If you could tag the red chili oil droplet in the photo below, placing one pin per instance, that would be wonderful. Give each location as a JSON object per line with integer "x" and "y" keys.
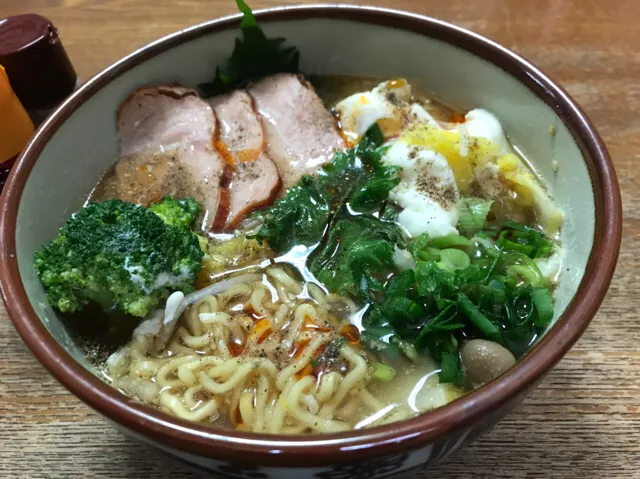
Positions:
{"x": 304, "y": 372}
{"x": 457, "y": 118}
{"x": 319, "y": 351}
{"x": 350, "y": 332}
{"x": 264, "y": 336}
{"x": 236, "y": 348}
{"x": 309, "y": 324}
{"x": 298, "y": 348}
{"x": 253, "y": 313}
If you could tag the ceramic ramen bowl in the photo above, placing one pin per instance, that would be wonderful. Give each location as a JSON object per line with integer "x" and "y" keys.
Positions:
{"x": 68, "y": 154}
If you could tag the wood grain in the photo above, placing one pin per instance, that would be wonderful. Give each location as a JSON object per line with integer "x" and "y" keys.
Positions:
{"x": 583, "y": 421}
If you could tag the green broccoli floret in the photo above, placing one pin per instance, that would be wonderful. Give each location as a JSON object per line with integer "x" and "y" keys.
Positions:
{"x": 177, "y": 212}
{"x": 120, "y": 255}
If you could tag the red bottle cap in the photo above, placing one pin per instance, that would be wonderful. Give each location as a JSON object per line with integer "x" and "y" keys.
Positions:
{"x": 36, "y": 63}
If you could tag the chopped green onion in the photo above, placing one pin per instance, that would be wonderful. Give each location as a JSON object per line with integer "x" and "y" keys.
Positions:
{"x": 473, "y": 214}
{"x": 544, "y": 304}
{"x": 409, "y": 351}
{"x": 488, "y": 233}
{"x": 523, "y": 308}
{"x": 418, "y": 245}
{"x": 452, "y": 259}
{"x": 530, "y": 275}
{"x": 383, "y": 373}
{"x": 443, "y": 303}
{"x": 450, "y": 367}
{"x": 501, "y": 278}
{"x": 493, "y": 267}
{"x": 488, "y": 287}
{"x": 489, "y": 298}
{"x": 533, "y": 276}
{"x": 451, "y": 241}
{"x": 545, "y": 248}
{"x": 483, "y": 240}
{"x": 493, "y": 252}
{"x": 429, "y": 254}
{"x": 442, "y": 322}
{"x": 486, "y": 327}
{"x": 526, "y": 240}
{"x": 508, "y": 245}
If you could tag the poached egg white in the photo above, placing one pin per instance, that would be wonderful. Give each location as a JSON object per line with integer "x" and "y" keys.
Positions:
{"x": 428, "y": 193}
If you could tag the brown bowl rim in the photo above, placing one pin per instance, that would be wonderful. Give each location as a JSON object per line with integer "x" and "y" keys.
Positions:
{"x": 320, "y": 450}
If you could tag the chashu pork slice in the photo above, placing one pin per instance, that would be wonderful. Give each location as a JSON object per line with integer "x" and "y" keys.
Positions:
{"x": 254, "y": 179}
{"x": 301, "y": 134}
{"x": 166, "y": 146}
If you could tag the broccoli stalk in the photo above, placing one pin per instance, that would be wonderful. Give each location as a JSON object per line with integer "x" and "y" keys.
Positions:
{"x": 121, "y": 255}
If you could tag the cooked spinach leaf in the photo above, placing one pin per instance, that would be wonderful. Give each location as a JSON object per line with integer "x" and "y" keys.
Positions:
{"x": 300, "y": 218}
{"x": 356, "y": 256}
{"x": 339, "y": 213}
{"x": 358, "y": 176}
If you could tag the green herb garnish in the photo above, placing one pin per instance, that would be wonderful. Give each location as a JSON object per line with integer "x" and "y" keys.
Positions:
{"x": 356, "y": 256}
{"x": 338, "y": 213}
{"x": 464, "y": 288}
{"x": 300, "y": 218}
{"x": 254, "y": 56}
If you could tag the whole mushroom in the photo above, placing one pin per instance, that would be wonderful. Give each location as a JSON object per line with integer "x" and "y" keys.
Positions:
{"x": 485, "y": 360}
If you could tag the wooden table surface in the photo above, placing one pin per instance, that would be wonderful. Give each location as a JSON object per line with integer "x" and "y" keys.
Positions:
{"x": 583, "y": 421}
